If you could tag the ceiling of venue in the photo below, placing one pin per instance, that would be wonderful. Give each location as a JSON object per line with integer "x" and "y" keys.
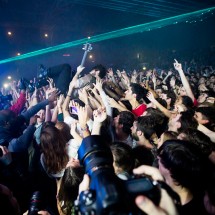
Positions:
{"x": 31, "y": 25}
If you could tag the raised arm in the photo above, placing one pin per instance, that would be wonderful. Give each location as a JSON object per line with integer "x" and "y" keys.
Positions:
{"x": 184, "y": 80}
{"x": 65, "y": 106}
{"x": 151, "y": 98}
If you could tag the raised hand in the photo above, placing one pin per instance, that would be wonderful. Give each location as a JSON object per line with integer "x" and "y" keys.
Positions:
{"x": 82, "y": 95}
{"x": 166, "y": 205}
{"x": 110, "y": 72}
{"x": 60, "y": 100}
{"x": 99, "y": 115}
{"x": 98, "y": 84}
{"x": 51, "y": 83}
{"x": 80, "y": 69}
{"x": 172, "y": 82}
{"x": 150, "y": 96}
{"x": 118, "y": 73}
{"x": 177, "y": 65}
{"x": 148, "y": 73}
{"x": 82, "y": 116}
{"x": 169, "y": 73}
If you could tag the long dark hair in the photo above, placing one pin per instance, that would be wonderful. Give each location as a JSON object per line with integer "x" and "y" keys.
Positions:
{"x": 53, "y": 146}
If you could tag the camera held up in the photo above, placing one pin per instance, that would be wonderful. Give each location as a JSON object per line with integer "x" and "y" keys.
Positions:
{"x": 108, "y": 194}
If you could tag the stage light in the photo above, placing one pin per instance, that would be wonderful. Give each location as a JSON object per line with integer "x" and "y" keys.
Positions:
{"x": 144, "y": 68}
{"x": 46, "y": 35}
{"x": 18, "y": 54}
{"x": 9, "y": 77}
{"x": 9, "y": 33}
{"x": 88, "y": 38}
{"x": 5, "y": 85}
{"x": 90, "y": 56}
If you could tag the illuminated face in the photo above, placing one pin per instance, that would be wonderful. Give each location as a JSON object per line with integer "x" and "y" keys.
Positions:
{"x": 128, "y": 94}
{"x": 158, "y": 82}
{"x": 202, "y": 80}
{"x": 202, "y": 97}
{"x": 41, "y": 115}
{"x": 174, "y": 123}
{"x": 212, "y": 79}
{"x": 159, "y": 92}
{"x": 182, "y": 91}
{"x": 134, "y": 131}
{"x": 199, "y": 118}
{"x": 95, "y": 73}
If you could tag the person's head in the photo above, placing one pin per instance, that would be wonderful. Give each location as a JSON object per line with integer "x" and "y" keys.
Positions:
{"x": 69, "y": 186}
{"x": 171, "y": 97}
{"x": 212, "y": 79}
{"x": 9, "y": 204}
{"x": 182, "y": 91}
{"x": 161, "y": 101}
{"x": 143, "y": 128}
{"x": 6, "y": 116}
{"x": 142, "y": 156}
{"x": 202, "y": 80}
{"x": 159, "y": 91}
{"x": 64, "y": 129}
{"x": 158, "y": 81}
{"x": 185, "y": 100}
{"x": 41, "y": 116}
{"x": 204, "y": 95}
{"x": 167, "y": 135}
{"x": 124, "y": 121}
{"x": 205, "y": 116}
{"x": 99, "y": 71}
{"x": 123, "y": 157}
{"x": 160, "y": 121}
{"x": 182, "y": 121}
{"x": 199, "y": 139}
{"x": 182, "y": 165}
{"x": 54, "y": 148}
{"x": 135, "y": 91}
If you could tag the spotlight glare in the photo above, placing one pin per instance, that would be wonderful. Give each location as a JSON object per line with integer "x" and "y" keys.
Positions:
{"x": 144, "y": 68}
{"x": 46, "y": 35}
{"x": 88, "y": 38}
{"x": 90, "y": 56}
{"x": 9, "y": 77}
{"x": 6, "y": 85}
{"x": 9, "y": 33}
{"x": 18, "y": 54}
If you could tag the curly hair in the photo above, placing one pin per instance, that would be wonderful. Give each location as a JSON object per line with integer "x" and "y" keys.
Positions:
{"x": 53, "y": 146}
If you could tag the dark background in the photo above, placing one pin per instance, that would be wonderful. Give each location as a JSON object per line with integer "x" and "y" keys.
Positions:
{"x": 66, "y": 21}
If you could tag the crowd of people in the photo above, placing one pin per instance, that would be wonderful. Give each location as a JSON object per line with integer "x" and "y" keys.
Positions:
{"x": 156, "y": 123}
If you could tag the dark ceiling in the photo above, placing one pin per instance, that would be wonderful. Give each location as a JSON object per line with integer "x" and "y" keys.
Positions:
{"x": 68, "y": 20}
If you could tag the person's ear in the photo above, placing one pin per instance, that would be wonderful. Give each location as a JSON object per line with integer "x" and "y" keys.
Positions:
{"x": 139, "y": 133}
